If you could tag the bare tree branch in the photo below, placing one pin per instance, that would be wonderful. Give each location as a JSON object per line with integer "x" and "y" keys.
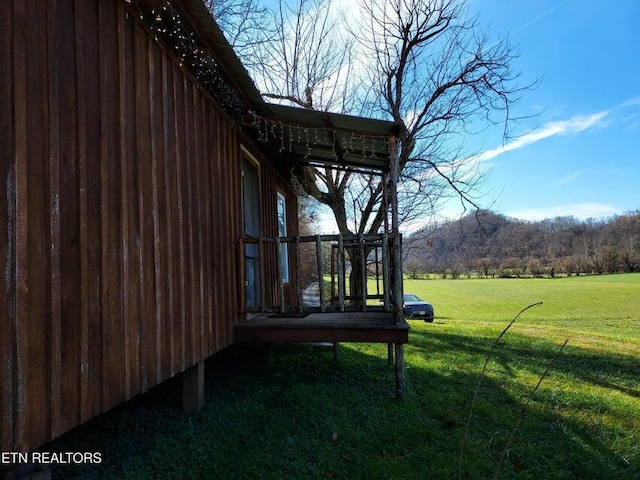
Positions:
{"x": 427, "y": 65}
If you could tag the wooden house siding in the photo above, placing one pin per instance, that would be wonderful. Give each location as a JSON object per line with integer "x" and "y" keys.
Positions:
{"x": 120, "y": 212}
{"x": 273, "y": 183}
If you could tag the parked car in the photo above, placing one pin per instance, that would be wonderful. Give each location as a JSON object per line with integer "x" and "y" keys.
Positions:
{"x": 416, "y": 308}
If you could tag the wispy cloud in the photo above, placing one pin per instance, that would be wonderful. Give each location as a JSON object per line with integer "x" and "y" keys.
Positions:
{"x": 568, "y": 178}
{"x": 575, "y": 124}
{"x": 542, "y": 15}
{"x": 530, "y": 22}
{"x": 631, "y": 121}
{"x": 580, "y": 211}
{"x": 631, "y": 102}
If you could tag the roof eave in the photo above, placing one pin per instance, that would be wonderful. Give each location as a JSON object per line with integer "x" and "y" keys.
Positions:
{"x": 223, "y": 53}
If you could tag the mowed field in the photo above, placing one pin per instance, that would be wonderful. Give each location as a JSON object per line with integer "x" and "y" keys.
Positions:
{"x": 522, "y": 407}
{"x": 590, "y": 389}
{"x": 604, "y": 306}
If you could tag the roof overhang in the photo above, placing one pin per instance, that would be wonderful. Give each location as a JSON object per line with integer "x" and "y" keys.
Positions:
{"x": 312, "y": 137}
{"x": 220, "y": 49}
{"x": 305, "y": 137}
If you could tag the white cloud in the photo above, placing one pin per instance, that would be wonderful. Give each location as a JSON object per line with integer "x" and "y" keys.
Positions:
{"x": 580, "y": 211}
{"x": 575, "y": 124}
{"x": 568, "y": 178}
{"x": 631, "y": 102}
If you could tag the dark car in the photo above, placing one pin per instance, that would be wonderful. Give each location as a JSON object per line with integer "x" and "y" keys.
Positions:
{"x": 416, "y": 308}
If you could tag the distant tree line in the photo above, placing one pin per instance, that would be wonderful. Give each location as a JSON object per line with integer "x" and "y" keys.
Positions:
{"x": 487, "y": 244}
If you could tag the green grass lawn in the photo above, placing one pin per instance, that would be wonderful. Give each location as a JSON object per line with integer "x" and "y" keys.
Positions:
{"x": 606, "y": 306}
{"x": 293, "y": 413}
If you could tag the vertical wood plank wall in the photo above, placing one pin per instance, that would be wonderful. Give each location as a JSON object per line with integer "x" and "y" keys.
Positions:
{"x": 271, "y": 183}
{"x": 119, "y": 211}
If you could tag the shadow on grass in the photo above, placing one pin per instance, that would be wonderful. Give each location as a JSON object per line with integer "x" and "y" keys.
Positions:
{"x": 613, "y": 371}
{"x": 295, "y": 413}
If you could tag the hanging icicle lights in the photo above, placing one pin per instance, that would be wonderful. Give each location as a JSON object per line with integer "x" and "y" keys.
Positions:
{"x": 167, "y": 25}
{"x": 287, "y": 137}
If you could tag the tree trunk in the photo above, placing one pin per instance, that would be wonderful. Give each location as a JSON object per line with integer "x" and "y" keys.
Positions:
{"x": 355, "y": 279}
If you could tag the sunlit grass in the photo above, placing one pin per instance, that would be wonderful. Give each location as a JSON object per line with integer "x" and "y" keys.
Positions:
{"x": 606, "y": 305}
{"x": 296, "y": 414}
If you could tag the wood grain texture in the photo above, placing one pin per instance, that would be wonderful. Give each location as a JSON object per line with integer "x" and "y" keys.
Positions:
{"x": 120, "y": 215}
{"x": 7, "y": 226}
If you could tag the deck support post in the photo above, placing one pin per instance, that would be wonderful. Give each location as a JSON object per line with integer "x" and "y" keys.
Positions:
{"x": 193, "y": 388}
{"x": 336, "y": 350}
{"x": 390, "y": 353}
{"x": 400, "y": 387}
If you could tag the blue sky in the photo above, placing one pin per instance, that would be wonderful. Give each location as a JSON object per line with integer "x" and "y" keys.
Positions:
{"x": 580, "y": 155}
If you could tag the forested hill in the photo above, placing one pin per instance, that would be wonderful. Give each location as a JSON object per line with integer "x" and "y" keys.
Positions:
{"x": 489, "y": 244}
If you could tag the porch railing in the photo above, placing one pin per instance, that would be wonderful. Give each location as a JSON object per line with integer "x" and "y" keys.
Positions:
{"x": 327, "y": 273}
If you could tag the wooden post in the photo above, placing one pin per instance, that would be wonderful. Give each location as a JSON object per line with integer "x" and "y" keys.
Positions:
{"x": 377, "y": 264}
{"x": 385, "y": 204}
{"x": 333, "y": 275}
{"x": 397, "y": 254}
{"x": 363, "y": 273}
{"x": 341, "y": 273}
{"x": 298, "y": 276}
{"x": 261, "y": 275}
{"x": 336, "y": 350}
{"x": 400, "y": 393}
{"x": 193, "y": 388}
{"x": 386, "y": 286}
{"x": 320, "y": 276}
{"x": 279, "y": 273}
{"x": 390, "y": 353}
{"x": 243, "y": 278}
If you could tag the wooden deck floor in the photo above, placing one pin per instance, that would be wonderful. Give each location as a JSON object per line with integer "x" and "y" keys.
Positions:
{"x": 377, "y": 327}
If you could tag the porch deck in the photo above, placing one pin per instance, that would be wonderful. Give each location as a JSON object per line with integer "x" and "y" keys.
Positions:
{"x": 377, "y": 327}
{"x": 326, "y": 304}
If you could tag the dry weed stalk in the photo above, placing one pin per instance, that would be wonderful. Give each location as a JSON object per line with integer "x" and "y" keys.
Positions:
{"x": 479, "y": 384}
{"x": 523, "y": 410}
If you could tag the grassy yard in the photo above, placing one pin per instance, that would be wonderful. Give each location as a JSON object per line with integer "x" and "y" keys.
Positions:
{"x": 293, "y": 413}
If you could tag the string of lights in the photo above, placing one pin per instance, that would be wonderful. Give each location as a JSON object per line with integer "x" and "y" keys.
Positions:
{"x": 287, "y": 136}
{"x": 168, "y": 26}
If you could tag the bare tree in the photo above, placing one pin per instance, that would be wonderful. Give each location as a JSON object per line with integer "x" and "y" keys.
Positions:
{"x": 306, "y": 60}
{"x": 245, "y": 25}
{"x": 436, "y": 74}
{"x": 630, "y": 256}
{"x": 426, "y": 65}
